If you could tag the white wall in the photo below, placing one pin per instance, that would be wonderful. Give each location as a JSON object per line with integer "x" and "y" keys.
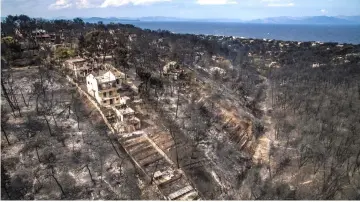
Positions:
{"x": 92, "y": 87}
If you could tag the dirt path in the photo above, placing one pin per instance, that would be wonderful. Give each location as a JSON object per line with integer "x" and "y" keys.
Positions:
{"x": 262, "y": 151}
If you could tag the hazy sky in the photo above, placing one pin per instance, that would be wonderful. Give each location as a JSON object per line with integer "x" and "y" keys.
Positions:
{"x": 235, "y": 9}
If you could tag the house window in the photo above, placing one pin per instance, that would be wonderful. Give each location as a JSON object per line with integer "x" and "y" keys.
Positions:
{"x": 117, "y": 81}
{"x": 110, "y": 93}
{"x": 104, "y": 101}
{"x": 104, "y": 94}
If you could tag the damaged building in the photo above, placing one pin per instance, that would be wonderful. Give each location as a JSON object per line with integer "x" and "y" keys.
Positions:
{"x": 105, "y": 87}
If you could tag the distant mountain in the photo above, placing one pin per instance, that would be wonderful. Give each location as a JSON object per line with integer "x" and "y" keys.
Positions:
{"x": 173, "y": 19}
{"x": 107, "y": 20}
{"x": 339, "y": 20}
{"x": 355, "y": 19}
{"x": 216, "y": 20}
{"x": 309, "y": 20}
{"x": 60, "y": 18}
{"x": 274, "y": 20}
{"x": 312, "y": 20}
{"x": 160, "y": 18}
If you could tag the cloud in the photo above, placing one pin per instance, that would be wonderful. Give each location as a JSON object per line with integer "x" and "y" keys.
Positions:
{"x": 60, "y": 4}
{"x": 215, "y": 2}
{"x": 80, "y": 4}
{"x": 323, "y": 11}
{"x": 117, "y": 3}
{"x": 281, "y": 4}
{"x": 83, "y": 4}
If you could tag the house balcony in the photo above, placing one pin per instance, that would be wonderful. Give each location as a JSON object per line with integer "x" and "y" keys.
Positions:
{"x": 109, "y": 85}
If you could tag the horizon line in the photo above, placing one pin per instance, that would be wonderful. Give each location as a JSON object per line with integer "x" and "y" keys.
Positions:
{"x": 64, "y": 17}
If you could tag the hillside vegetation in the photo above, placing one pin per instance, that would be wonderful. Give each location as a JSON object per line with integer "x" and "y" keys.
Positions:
{"x": 251, "y": 119}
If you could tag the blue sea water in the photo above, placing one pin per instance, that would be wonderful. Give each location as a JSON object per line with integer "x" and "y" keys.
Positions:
{"x": 322, "y": 33}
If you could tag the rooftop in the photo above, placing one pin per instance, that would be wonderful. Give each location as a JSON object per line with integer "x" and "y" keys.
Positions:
{"x": 103, "y": 76}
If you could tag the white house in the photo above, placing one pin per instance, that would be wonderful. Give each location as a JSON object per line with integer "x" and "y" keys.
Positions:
{"x": 105, "y": 87}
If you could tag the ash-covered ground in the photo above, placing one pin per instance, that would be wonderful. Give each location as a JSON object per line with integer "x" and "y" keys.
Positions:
{"x": 58, "y": 146}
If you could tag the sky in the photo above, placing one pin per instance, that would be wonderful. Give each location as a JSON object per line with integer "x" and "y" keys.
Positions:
{"x": 195, "y": 9}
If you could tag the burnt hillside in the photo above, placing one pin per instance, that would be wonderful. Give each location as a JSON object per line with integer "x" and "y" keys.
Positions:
{"x": 250, "y": 118}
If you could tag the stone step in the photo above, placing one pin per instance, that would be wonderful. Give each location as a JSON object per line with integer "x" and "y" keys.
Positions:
{"x": 139, "y": 150}
{"x": 145, "y": 155}
{"x": 139, "y": 147}
{"x": 136, "y": 143}
{"x": 129, "y": 137}
{"x": 151, "y": 159}
{"x": 192, "y": 195}
{"x": 180, "y": 192}
{"x": 165, "y": 181}
{"x": 132, "y": 140}
{"x": 161, "y": 165}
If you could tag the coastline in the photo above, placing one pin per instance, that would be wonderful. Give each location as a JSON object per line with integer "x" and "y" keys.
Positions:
{"x": 340, "y": 34}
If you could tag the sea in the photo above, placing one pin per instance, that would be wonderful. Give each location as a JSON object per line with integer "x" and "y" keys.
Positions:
{"x": 322, "y": 33}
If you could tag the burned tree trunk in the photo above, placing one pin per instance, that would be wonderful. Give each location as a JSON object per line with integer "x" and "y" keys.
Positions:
{"x": 22, "y": 95}
{"x": 52, "y": 114}
{"x": 57, "y": 182}
{"x": 112, "y": 144}
{"x": 37, "y": 153}
{"x": 69, "y": 107}
{"x": 88, "y": 169}
{"x": 5, "y": 134}
{"x": 176, "y": 149}
{"x": 78, "y": 121}
{"x": 48, "y": 125}
{"x": 37, "y": 104}
{"x": 153, "y": 174}
{"x": 177, "y": 103}
{"x": 5, "y": 180}
{"x": 7, "y": 96}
